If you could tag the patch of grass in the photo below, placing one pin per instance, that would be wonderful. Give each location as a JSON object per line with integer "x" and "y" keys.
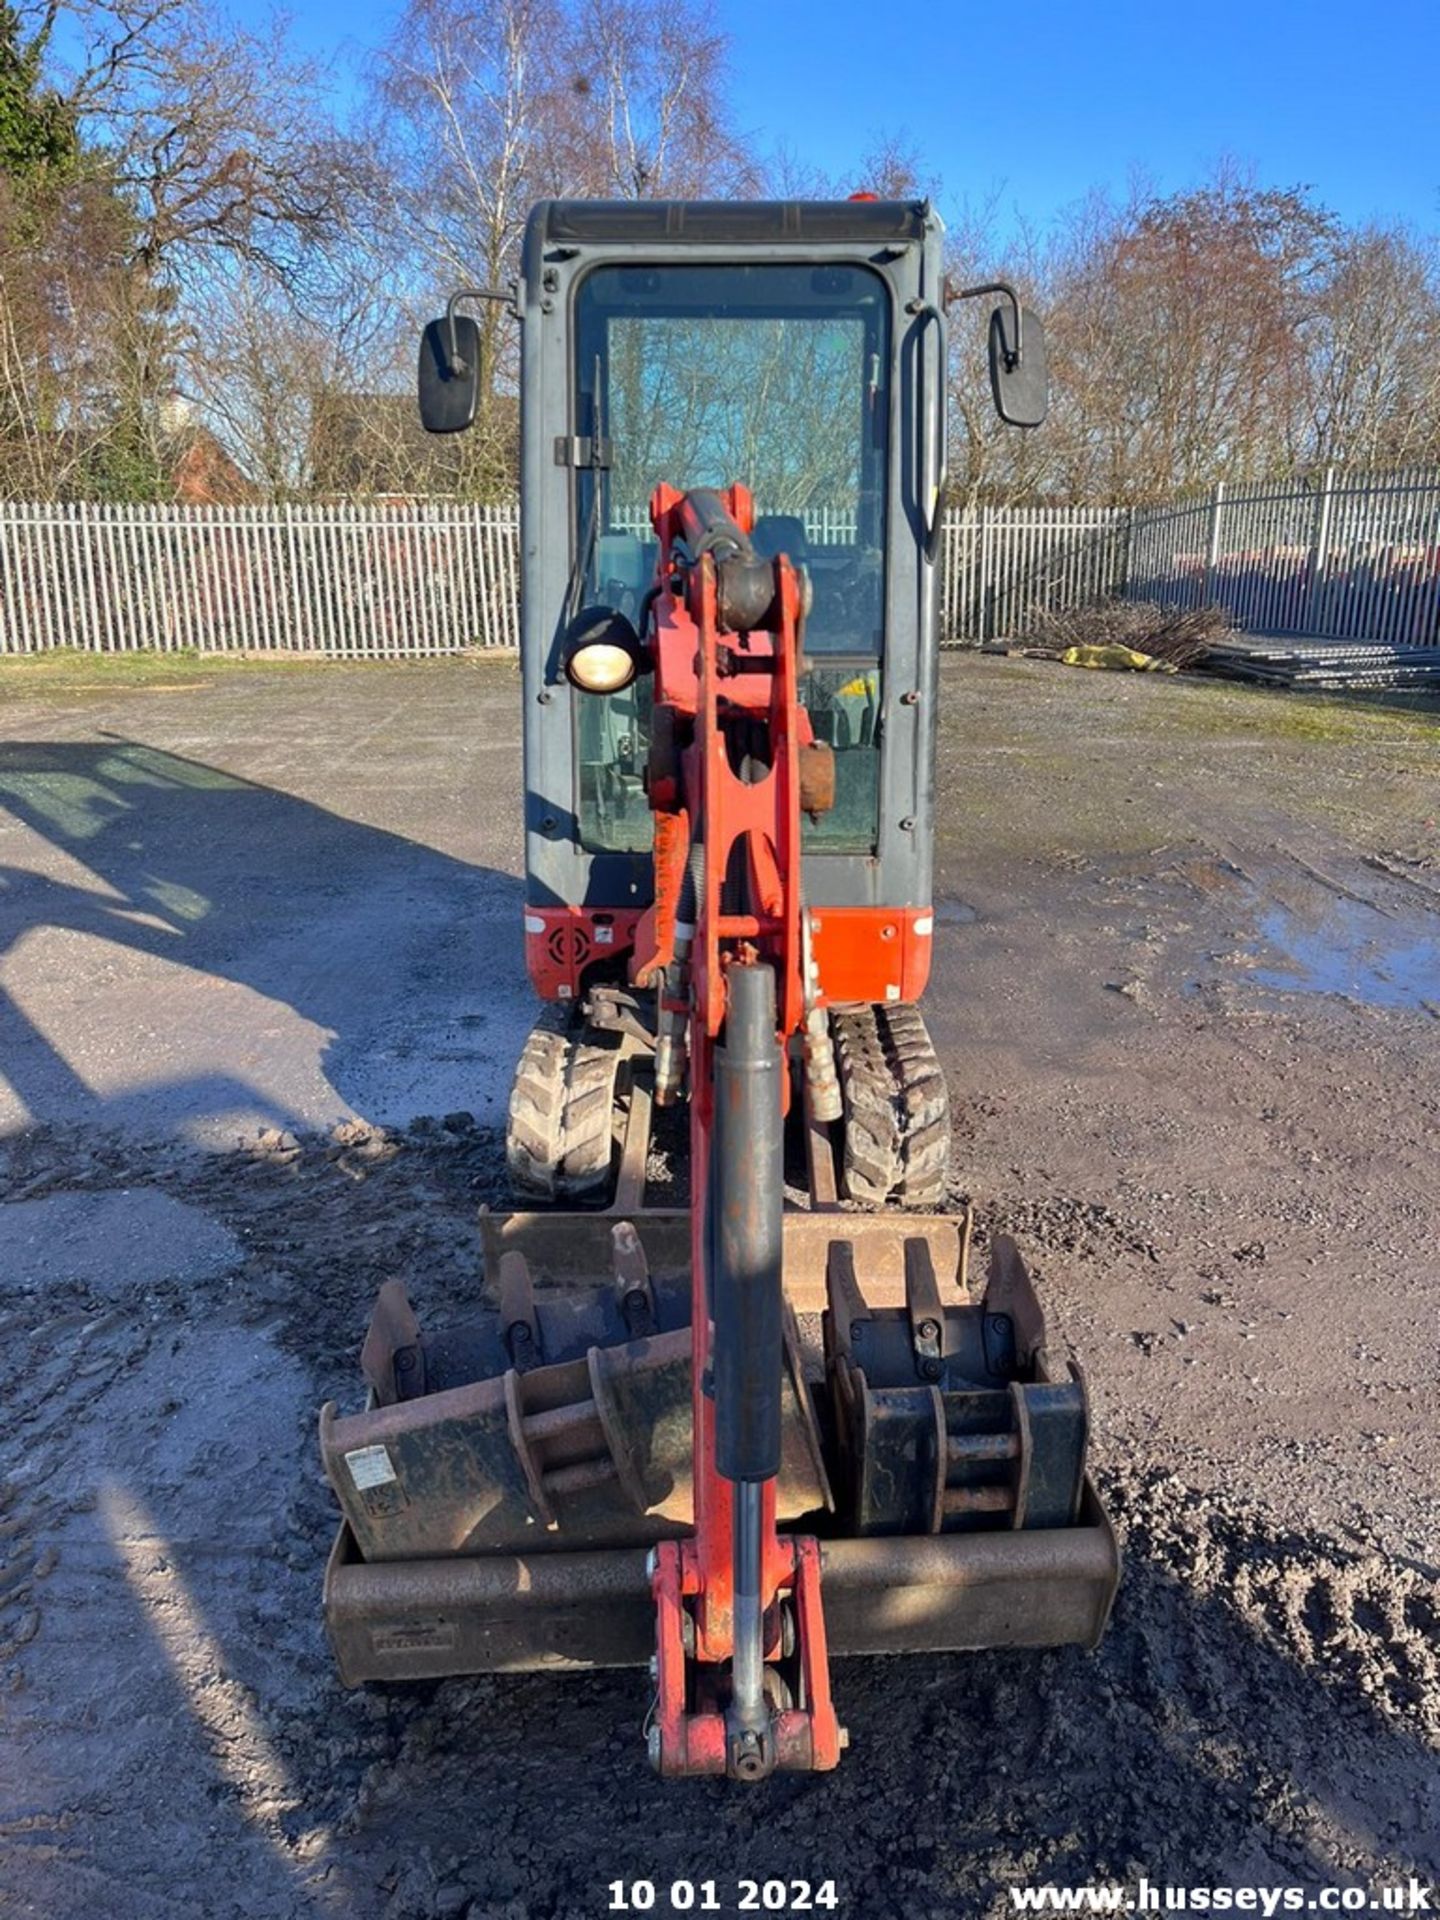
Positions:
{"x": 69, "y": 671}
{"x": 1305, "y": 717}
{"x": 1043, "y": 698}
{"x": 1047, "y": 762}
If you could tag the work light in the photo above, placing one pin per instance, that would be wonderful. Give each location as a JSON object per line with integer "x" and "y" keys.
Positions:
{"x": 602, "y": 652}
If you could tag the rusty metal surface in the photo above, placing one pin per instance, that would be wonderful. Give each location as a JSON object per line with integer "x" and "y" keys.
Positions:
{"x": 537, "y": 1560}
{"x": 393, "y": 1327}
{"x": 635, "y": 1145}
{"x": 820, "y": 1165}
{"x": 946, "y": 1413}
{"x": 572, "y": 1248}
{"x": 960, "y": 1592}
{"x": 424, "y": 1619}
{"x": 588, "y": 1452}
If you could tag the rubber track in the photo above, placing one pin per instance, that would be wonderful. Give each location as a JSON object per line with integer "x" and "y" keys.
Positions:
{"x": 896, "y": 1127}
{"x": 558, "y": 1142}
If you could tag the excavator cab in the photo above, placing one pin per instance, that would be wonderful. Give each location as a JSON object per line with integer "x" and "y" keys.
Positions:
{"x": 735, "y": 1421}
{"x": 799, "y": 351}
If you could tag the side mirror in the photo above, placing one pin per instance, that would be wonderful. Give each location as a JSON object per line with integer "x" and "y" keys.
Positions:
{"x": 1019, "y": 376}
{"x": 449, "y": 373}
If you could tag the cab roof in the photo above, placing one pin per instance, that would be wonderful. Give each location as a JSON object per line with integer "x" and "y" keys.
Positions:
{"x": 727, "y": 222}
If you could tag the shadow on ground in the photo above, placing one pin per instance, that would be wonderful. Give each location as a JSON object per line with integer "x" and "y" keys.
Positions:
{"x": 377, "y": 977}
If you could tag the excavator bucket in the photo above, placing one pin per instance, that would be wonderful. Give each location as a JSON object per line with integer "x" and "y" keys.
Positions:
{"x": 504, "y": 1486}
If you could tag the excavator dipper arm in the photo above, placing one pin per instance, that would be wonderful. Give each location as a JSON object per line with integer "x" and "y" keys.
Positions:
{"x": 741, "y": 1669}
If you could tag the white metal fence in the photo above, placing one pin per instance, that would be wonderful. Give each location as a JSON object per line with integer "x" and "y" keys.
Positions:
{"x": 1000, "y": 565}
{"x": 1355, "y": 556}
{"x": 345, "y": 580}
{"x": 825, "y": 526}
{"x": 391, "y": 581}
{"x": 1352, "y": 556}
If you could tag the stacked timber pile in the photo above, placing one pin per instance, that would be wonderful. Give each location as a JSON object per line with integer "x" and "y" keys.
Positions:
{"x": 1325, "y": 665}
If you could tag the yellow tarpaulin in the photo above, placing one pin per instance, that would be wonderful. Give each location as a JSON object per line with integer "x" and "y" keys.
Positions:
{"x": 1115, "y": 657}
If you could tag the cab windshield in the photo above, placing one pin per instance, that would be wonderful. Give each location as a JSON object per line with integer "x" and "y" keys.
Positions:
{"x": 775, "y": 376}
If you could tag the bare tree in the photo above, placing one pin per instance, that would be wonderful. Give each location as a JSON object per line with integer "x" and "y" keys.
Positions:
{"x": 217, "y": 137}
{"x": 462, "y": 92}
{"x": 1231, "y": 331}
{"x": 892, "y": 168}
{"x": 1372, "y": 354}
{"x": 235, "y": 193}
{"x": 180, "y": 217}
{"x": 638, "y": 108}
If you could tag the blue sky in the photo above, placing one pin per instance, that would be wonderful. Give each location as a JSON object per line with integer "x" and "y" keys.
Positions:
{"x": 1342, "y": 99}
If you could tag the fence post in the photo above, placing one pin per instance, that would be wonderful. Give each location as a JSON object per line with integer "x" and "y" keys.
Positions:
{"x": 1127, "y": 541}
{"x": 1319, "y": 552}
{"x": 947, "y": 567}
{"x": 1212, "y": 556}
{"x": 296, "y": 591}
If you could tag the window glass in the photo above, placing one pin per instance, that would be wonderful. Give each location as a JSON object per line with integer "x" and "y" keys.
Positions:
{"x": 774, "y": 376}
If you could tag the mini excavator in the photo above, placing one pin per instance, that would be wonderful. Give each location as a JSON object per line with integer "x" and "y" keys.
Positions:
{"x": 729, "y": 1404}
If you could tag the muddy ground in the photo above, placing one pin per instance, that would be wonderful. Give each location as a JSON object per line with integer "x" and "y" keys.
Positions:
{"x": 260, "y": 936}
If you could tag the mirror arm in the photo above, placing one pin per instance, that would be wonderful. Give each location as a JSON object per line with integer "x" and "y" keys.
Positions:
{"x": 1012, "y": 360}
{"x": 474, "y": 293}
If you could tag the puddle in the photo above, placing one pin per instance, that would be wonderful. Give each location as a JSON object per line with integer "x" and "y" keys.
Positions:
{"x": 955, "y": 913}
{"x": 1351, "y": 950}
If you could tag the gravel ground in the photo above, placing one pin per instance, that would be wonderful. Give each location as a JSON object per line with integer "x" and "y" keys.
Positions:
{"x": 1187, "y": 985}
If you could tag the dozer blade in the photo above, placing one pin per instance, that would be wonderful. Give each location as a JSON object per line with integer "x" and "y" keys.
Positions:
{"x": 950, "y": 1593}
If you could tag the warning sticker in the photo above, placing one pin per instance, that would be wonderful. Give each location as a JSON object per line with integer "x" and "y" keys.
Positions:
{"x": 370, "y": 1467}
